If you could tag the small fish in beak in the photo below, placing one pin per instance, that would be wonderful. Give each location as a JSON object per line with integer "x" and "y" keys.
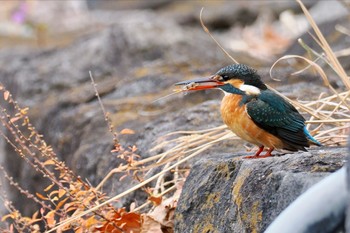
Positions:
{"x": 200, "y": 84}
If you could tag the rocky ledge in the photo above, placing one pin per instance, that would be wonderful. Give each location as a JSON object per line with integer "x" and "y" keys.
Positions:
{"x": 226, "y": 193}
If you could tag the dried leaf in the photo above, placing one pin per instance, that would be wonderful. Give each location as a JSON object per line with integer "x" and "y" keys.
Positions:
{"x": 156, "y": 200}
{"x": 35, "y": 215}
{"x": 123, "y": 177}
{"x": 3, "y": 219}
{"x": 60, "y": 204}
{"x": 150, "y": 225}
{"x": 132, "y": 206}
{"x": 70, "y": 206}
{"x": 49, "y": 162}
{"x": 14, "y": 119}
{"x": 61, "y": 192}
{"x": 41, "y": 196}
{"x": 34, "y": 221}
{"x": 6, "y": 95}
{"x": 24, "y": 111}
{"x": 127, "y": 221}
{"x": 50, "y": 218}
{"x": 91, "y": 222}
{"x": 127, "y": 131}
{"x": 164, "y": 213}
{"x": 54, "y": 192}
{"x": 49, "y": 187}
{"x": 78, "y": 230}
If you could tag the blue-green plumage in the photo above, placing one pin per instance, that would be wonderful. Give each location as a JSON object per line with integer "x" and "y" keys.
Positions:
{"x": 269, "y": 110}
{"x": 278, "y": 117}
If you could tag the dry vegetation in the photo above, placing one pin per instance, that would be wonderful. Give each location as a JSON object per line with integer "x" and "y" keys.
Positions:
{"x": 71, "y": 203}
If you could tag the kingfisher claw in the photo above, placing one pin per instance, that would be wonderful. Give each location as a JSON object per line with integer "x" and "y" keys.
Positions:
{"x": 257, "y": 154}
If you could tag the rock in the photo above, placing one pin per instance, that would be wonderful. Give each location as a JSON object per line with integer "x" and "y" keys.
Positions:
{"x": 225, "y": 193}
{"x": 347, "y": 218}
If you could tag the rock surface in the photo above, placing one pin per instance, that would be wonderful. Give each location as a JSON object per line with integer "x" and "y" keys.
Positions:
{"x": 229, "y": 194}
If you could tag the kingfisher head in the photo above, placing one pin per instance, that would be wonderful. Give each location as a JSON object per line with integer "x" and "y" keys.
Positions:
{"x": 234, "y": 79}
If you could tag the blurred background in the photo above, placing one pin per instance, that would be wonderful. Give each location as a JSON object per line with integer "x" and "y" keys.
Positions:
{"x": 136, "y": 50}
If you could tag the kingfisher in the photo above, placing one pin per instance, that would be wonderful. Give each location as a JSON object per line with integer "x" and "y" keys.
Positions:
{"x": 254, "y": 112}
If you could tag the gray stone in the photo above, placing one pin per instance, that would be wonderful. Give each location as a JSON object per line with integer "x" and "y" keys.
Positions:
{"x": 225, "y": 193}
{"x": 347, "y": 220}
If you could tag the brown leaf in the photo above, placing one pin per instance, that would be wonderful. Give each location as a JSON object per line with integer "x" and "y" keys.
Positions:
{"x": 156, "y": 200}
{"x": 150, "y": 225}
{"x": 127, "y": 221}
{"x": 164, "y": 213}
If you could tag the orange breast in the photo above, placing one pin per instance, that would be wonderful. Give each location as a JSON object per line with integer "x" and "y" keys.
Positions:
{"x": 238, "y": 120}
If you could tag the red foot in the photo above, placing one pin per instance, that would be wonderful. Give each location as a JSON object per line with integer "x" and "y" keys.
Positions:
{"x": 257, "y": 154}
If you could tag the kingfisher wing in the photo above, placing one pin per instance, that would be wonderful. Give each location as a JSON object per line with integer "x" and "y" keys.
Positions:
{"x": 278, "y": 117}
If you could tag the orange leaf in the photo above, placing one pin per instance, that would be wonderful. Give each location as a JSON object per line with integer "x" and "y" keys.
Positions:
{"x": 127, "y": 131}
{"x": 91, "y": 221}
{"x": 54, "y": 192}
{"x": 42, "y": 196}
{"x": 49, "y": 162}
{"x": 49, "y": 187}
{"x": 50, "y": 218}
{"x": 129, "y": 222}
{"x": 156, "y": 200}
{"x": 60, "y": 204}
{"x": 35, "y": 215}
{"x": 61, "y": 192}
{"x": 6, "y": 95}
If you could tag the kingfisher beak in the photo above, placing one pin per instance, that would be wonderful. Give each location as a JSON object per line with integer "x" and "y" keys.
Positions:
{"x": 201, "y": 83}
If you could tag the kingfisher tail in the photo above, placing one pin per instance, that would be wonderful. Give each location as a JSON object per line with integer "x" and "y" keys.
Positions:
{"x": 312, "y": 139}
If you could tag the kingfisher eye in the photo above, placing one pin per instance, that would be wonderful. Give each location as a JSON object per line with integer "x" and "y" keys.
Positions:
{"x": 225, "y": 78}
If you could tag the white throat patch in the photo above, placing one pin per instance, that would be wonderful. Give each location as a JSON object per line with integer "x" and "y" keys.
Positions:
{"x": 249, "y": 89}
